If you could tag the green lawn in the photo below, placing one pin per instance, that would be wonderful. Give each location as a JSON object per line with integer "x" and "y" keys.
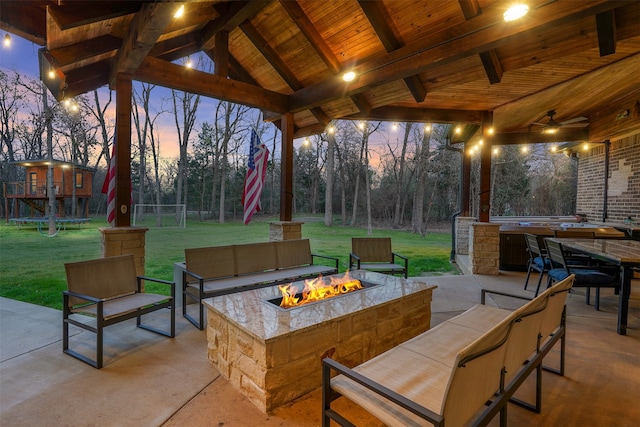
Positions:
{"x": 32, "y": 265}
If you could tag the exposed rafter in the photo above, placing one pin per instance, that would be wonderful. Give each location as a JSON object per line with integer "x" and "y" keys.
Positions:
{"x": 606, "y": 24}
{"x": 145, "y": 29}
{"x": 381, "y": 23}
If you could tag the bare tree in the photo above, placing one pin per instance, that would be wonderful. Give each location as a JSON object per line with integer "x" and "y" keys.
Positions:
{"x": 188, "y": 107}
{"x": 329, "y": 170}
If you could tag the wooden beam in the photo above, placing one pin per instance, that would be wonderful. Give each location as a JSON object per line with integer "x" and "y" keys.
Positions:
{"x": 469, "y": 38}
{"x": 123, "y": 150}
{"x": 176, "y": 47}
{"x": 85, "y": 79}
{"x": 492, "y": 66}
{"x": 537, "y": 137}
{"x": 606, "y": 25}
{"x": 470, "y": 8}
{"x": 236, "y": 12}
{"x": 72, "y": 54}
{"x": 383, "y": 26}
{"x": 286, "y": 162}
{"x": 166, "y": 74}
{"x": 221, "y": 54}
{"x": 432, "y": 115}
{"x": 145, "y": 28}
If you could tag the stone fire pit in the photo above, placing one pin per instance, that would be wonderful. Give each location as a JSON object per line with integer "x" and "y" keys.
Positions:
{"x": 273, "y": 355}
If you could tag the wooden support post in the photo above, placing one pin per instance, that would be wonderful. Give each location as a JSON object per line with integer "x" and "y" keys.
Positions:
{"x": 286, "y": 180}
{"x": 123, "y": 150}
{"x": 466, "y": 183}
{"x": 485, "y": 170}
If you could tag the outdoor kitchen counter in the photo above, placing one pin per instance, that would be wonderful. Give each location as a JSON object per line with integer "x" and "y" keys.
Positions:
{"x": 253, "y": 312}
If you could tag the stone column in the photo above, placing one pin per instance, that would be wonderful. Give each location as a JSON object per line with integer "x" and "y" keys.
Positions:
{"x": 285, "y": 230}
{"x": 123, "y": 241}
{"x": 484, "y": 248}
{"x": 462, "y": 234}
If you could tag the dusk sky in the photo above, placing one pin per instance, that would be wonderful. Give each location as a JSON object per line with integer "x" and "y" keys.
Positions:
{"x": 22, "y": 56}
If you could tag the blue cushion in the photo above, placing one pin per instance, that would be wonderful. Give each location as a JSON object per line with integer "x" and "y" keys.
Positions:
{"x": 583, "y": 277}
{"x": 546, "y": 264}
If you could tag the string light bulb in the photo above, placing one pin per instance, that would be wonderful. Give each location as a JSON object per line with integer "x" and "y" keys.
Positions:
{"x": 7, "y": 40}
{"x": 427, "y": 128}
{"x": 188, "y": 64}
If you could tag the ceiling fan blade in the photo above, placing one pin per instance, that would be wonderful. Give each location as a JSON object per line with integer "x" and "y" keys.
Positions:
{"x": 576, "y": 125}
{"x": 540, "y": 124}
{"x": 577, "y": 119}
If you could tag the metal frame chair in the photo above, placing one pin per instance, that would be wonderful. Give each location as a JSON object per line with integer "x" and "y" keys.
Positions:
{"x": 586, "y": 276}
{"x": 538, "y": 260}
{"x": 375, "y": 254}
{"x": 109, "y": 290}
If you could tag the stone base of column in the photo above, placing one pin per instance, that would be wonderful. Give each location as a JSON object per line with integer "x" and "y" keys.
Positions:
{"x": 285, "y": 230}
{"x": 484, "y": 248}
{"x": 462, "y": 234}
{"x": 124, "y": 241}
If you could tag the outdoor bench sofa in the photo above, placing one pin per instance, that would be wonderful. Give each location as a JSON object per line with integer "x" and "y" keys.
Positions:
{"x": 464, "y": 371}
{"x": 109, "y": 290}
{"x": 220, "y": 270}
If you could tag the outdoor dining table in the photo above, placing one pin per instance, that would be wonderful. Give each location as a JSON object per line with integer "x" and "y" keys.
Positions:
{"x": 623, "y": 253}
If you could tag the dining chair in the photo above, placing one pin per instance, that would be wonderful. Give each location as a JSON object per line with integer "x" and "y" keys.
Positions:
{"x": 538, "y": 260}
{"x": 586, "y": 276}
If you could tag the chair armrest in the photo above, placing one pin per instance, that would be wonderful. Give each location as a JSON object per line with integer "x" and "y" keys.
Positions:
{"x": 164, "y": 282}
{"x": 354, "y": 259}
{"x": 395, "y": 255}
{"x": 82, "y": 296}
{"x": 505, "y": 294}
{"x": 335, "y": 259}
{"x": 381, "y": 390}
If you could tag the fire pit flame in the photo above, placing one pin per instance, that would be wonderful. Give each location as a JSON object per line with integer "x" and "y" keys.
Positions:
{"x": 317, "y": 289}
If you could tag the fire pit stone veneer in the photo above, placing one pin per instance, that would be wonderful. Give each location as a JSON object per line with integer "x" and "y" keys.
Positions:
{"x": 273, "y": 356}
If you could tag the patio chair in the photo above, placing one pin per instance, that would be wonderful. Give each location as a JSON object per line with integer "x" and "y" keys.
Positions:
{"x": 109, "y": 290}
{"x": 538, "y": 260}
{"x": 586, "y": 277}
{"x": 375, "y": 254}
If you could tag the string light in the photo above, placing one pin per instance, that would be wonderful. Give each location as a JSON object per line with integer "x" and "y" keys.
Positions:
{"x": 52, "y": 74}
{"x": 188, "y": 64}
{"x": 7, "y": 40}
{"x": 331, "y": 130}
{"x": 427, "y": 128}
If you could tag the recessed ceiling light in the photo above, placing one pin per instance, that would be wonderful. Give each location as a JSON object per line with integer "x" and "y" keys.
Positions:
{"x": 514, "y": 12}
{"x": 349, "y": 76}
{"x": 179, "y": 12}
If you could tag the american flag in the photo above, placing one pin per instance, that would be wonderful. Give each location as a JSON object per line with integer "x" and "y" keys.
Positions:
{"x": 109, "y": 186}
{"x": 253, "y": 182}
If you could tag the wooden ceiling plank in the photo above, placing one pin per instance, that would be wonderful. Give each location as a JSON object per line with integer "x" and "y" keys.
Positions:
{"x": 383, "y": 26}
{"x": 230, "y": 18}
{"x": 147, "y": 25}
{"x": 606, "y": 25}
{"x": 537, "y": 137}
{"x": 305, "y": 26}
{"x": 71, "y": 16}
{"x": 77, "y": 52}
{"x": 492, "y": 66}
{"x": 24, "y": 20}
{"x": 281, "y": 68}
{"x": 421, "y": 56}
{"x": 166, "y": 74}
{"x": 323, "y": 50}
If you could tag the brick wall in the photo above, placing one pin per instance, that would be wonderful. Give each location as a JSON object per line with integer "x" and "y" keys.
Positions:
{"x": 624, "y": 181}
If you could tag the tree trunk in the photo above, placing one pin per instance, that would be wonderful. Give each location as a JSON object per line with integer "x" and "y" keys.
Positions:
{"x": 328, "y": 197}
{"x": 400, "y": 179}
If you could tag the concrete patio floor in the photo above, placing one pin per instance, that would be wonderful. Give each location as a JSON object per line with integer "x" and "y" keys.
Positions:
{"x": 149, "y": 380}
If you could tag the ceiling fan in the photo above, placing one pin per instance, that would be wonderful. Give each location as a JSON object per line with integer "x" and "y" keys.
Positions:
{"x": 553, "y": 126}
